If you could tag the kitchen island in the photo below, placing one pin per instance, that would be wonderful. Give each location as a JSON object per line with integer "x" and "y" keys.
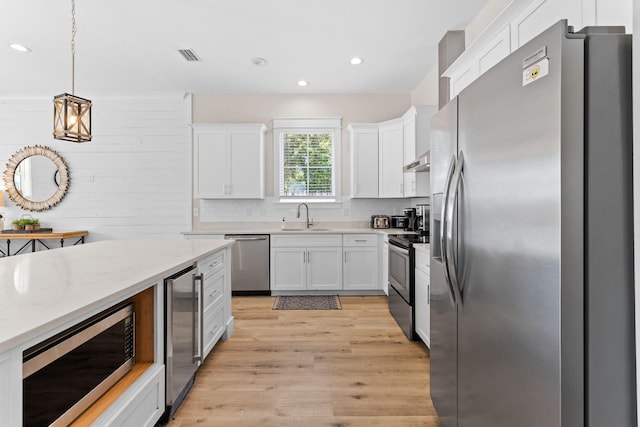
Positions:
{"x": 44, "y": 293}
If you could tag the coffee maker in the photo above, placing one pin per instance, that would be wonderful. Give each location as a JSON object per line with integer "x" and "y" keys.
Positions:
{"x": 422, "y": 219}
{"x": 410, "y": 219}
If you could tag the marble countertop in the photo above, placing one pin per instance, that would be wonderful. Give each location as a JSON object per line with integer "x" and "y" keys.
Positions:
{"x": 44, "y": 290}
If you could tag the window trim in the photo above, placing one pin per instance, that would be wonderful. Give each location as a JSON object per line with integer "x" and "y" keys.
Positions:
{"x": 320, "y": 125}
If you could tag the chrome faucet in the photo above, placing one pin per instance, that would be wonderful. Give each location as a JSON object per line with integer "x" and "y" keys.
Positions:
{"x": 298, "y": 214}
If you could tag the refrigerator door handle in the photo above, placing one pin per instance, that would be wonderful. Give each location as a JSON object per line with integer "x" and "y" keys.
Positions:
{"x": 451, "y": 266}
{"x": 443, "y": 222}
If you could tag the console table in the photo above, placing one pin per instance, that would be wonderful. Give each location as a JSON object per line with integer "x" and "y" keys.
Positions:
{"x": 32, "y": 238}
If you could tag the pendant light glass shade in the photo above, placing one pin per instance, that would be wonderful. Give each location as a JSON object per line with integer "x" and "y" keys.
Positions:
{"x": 71, "y": 118}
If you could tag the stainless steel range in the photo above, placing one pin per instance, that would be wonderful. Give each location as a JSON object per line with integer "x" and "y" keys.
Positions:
{"x": 402, "y": 279}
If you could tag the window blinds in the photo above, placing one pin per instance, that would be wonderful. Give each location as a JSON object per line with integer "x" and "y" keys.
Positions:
{"x": 306, "y": 165}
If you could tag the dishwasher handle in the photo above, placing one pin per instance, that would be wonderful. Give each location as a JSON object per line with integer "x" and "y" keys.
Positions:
{"x": 245, "y": 239}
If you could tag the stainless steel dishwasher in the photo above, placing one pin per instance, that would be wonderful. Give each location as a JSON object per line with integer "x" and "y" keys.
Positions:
{"x": 250, "y": 264}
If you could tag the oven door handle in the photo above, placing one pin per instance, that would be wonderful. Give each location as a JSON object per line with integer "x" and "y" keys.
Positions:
{"x": 443, "y": 227}
{"x": 394, "y": 247}
{"x": 451, "y": 202}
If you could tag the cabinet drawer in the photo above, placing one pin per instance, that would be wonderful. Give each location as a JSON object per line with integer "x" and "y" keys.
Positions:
{"x": 211, "y": 265}
{"x": 306, "y": 240}
{"x": 213, "y": 327}
{"x": 213, "y": 290}
{"x": 142, "y": 404}
{"x": 360, "y": 240}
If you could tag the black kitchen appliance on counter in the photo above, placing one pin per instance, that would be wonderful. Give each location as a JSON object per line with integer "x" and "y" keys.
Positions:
{"x": 422, "y": 218}
{"x": 410, "y": 219}
{"x": 398, "y": 221}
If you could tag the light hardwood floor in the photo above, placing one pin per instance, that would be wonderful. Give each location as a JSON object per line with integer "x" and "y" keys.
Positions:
{"x": 336, "y": 368}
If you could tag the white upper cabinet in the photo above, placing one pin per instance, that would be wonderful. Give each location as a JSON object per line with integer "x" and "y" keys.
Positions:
{"x": 540, "y": 15}
{"x": 391, "y": 159}
{"x": 228, "y": 161}
{"x": 364, "y": 160}
{"x": 521, "y": 21}
{"x": 494, "y": 52}
{"x": 416, "y": 142}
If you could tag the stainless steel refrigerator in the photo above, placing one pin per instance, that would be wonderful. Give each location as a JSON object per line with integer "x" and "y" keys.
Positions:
{"x": 532, "y": 295}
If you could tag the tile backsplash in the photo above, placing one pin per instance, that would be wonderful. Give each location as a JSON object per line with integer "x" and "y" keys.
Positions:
{"x": 270, "y": 209}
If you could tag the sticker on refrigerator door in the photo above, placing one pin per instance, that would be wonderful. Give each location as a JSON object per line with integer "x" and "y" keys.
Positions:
{"x": 535, "y": 72}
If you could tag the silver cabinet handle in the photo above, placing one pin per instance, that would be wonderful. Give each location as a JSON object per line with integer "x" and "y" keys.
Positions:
{"x": 443, "y": 222}
{"x": 345, "y": 257}
{"x": 451, "y": 262}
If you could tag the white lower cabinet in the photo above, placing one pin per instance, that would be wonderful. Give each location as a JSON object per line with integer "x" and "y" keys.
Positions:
{"x": 142, "y": 404}
{"x": 422, "y": 297}
{"x": 215, "y": 275}
{"x": 304, "y": 262}
{"x": 10, "y": 390}
{"x": 360, "y": 256}
{"x": 384, "y": 262}
{"x": 324, "y": 270}
{"x": 288, "y": 269}
{"x": 325, "y": 262}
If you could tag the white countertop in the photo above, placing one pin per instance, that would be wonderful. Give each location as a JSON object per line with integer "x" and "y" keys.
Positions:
{"x": 292, "y": 228}
{"x": 43, "y": 290}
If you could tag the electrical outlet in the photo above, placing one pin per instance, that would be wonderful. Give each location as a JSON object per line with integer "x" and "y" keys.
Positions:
{"x": 346, "y": 211}
{"x": 92, "y": 178}
{"x": 248, "y": 211}
{"x": 195, "y": 212}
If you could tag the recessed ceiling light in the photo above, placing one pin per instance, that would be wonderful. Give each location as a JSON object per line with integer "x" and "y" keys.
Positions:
{"x": 303, "y": 83}
{"x": 356, "y": 60}
{"x": 259, "y": 62}
{"x": 19, "y": 47}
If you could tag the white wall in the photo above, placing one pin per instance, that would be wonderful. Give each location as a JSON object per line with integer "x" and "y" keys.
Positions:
{"x": 131, "y": 181}
{"x": 427, "y": 91}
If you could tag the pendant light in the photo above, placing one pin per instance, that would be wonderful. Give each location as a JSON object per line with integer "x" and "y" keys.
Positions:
{"x": 72, "y": 114}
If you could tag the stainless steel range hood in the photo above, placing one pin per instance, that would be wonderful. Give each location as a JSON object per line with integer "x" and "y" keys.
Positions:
{"x": 421, "y": 164}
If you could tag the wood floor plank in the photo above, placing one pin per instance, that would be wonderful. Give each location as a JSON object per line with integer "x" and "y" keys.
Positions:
{"x": 336, "y": 368}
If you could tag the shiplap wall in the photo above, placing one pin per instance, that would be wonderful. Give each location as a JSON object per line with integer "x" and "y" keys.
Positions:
{"x": 131, "y": 182}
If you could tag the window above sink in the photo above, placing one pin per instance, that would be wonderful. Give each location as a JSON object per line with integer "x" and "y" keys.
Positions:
{"x": 307, "y": 159}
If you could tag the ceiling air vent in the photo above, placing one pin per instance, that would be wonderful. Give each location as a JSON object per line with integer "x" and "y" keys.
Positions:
{"x": 189, "y": 55}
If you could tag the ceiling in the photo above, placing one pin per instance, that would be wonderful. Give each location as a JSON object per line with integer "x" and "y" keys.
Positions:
{"x": 131, "y": 46}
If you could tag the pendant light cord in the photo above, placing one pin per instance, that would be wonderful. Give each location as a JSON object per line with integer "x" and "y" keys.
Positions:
{"x": 73, "y": 47}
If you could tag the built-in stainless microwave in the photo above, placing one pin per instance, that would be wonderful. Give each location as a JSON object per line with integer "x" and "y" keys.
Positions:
{"x": 65, "y": 374}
